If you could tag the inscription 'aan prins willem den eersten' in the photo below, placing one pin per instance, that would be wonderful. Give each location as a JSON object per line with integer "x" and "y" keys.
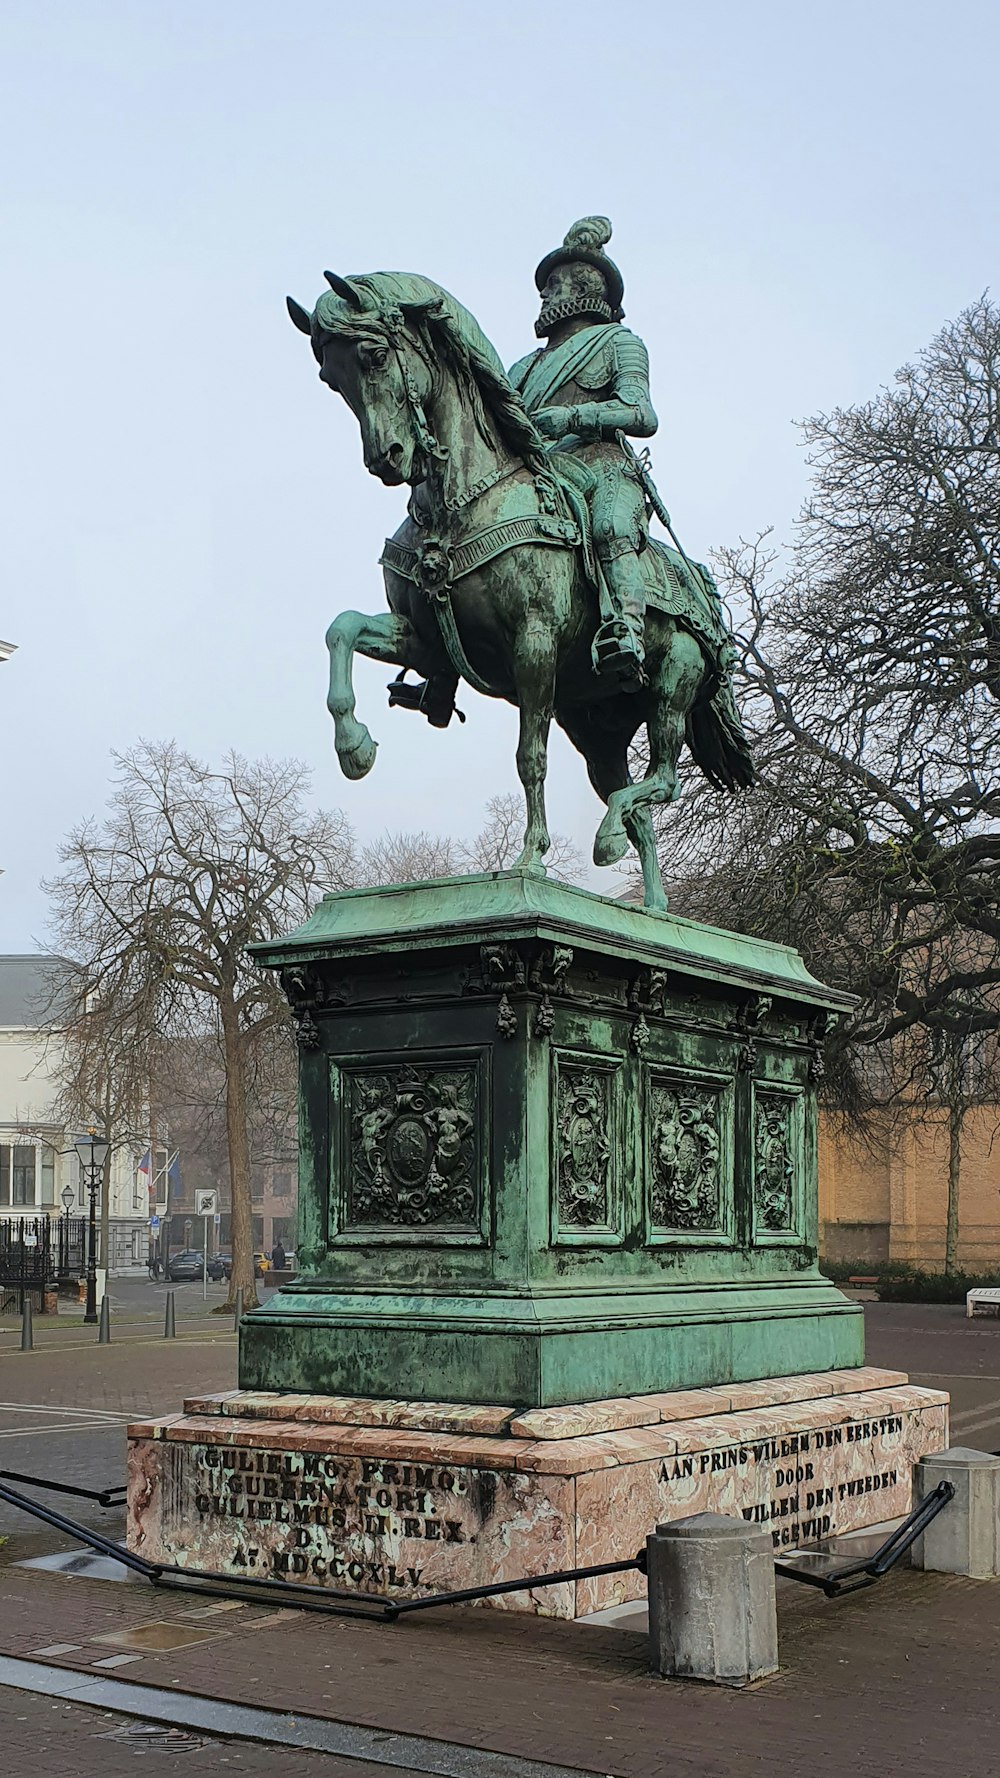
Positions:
{"x": 795, "y": 1475}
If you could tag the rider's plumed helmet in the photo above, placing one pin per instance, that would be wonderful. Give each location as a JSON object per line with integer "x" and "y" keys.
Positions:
{"x": 587, "y": 281}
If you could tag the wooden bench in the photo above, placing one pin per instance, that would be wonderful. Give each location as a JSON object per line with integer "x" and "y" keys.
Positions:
{"x": 860, "y": 1282}
{"x": 983, "y": 1301}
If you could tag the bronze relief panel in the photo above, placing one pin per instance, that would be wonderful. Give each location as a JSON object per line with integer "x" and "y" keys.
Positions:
{"x": 778, "y": 1157}
{"x": 689, "y": 1158}
{"x": 409, "y": 1152}
{"x": 586, "y": 1120}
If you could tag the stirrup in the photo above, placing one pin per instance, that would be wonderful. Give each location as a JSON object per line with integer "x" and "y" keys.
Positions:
{"x": 618, "y": 654}
{"x": 424, "y": 696}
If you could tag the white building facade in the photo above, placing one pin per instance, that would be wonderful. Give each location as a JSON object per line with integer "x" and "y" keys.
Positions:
{"x": 37, "y": 1158}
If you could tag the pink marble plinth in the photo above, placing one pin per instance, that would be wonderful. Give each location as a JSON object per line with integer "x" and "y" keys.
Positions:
{"x": 406, "y": 1498}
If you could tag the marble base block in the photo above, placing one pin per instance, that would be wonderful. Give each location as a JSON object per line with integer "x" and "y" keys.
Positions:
{"x": 408, "y": 1498}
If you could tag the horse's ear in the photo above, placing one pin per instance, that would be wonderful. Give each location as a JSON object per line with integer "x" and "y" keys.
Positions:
{"x": 301, "y": 316}
{"x": 342, "y": 288}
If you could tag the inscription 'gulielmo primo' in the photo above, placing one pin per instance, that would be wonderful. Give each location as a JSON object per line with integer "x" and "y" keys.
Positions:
{"x": 308, "y": 1492}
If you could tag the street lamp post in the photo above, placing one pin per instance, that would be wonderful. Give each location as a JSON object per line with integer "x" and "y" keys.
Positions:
{"x": 67, "y": 1194}
{"x": 93, "y": 1152}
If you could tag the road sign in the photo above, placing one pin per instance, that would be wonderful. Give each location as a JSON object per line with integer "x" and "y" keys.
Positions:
{"x": 206, "y": 1203}
{"x": 154, "y": 1222}
{"x": 217, "y": 1219}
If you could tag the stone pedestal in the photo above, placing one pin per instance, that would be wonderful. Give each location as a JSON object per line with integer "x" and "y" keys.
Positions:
{"x": 552, "y": 1148}
{"x": 405, "y": 1498}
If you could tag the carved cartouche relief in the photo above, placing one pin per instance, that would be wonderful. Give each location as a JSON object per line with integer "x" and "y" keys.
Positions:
{"x": 774, "y": 1163}
{"x": 686, "y": 1157}
{"x": 583, "y": 1120}
{"x": 412, "y": 1146}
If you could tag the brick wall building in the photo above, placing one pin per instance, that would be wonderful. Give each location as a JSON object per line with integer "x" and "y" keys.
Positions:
{"x": 892, "y": 1204}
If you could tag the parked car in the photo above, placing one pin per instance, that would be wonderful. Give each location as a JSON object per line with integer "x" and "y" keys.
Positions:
{"x": 226, "y": 1262}
{"x": 190, "y": 1264}
{"x": 261, "y": 1264}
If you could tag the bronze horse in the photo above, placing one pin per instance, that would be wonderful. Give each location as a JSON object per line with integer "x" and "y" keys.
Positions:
{"x": 490, "y": 578}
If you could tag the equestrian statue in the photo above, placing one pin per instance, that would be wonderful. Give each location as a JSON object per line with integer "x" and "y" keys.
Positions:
{"x": 525, "y": 564}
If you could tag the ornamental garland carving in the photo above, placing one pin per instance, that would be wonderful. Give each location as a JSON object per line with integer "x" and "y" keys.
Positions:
{"x": 747, "y": 1028}
{"x": 303, "y": 989}
{"x": 413, "y": 1145}
{"x": 686, "y": 1158}
{"x": 583, "y": 1114}
{"x": 774, "y": 1163}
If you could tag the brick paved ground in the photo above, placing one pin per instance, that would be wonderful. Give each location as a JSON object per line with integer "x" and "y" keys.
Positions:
{"x": 904, "y": 1678}
{"x": 71, "y": 1741}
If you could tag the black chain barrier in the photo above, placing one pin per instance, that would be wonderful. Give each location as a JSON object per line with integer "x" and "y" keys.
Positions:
{"x": 333, "y": 1601}
{"x": 832, "y": 1578}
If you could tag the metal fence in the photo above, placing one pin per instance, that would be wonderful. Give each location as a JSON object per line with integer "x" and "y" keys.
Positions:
{"x": 36, "y": 1252}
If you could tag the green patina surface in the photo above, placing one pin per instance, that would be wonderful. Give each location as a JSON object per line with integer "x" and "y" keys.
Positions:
{"x": 524, "y": 565}
{"x": 552, "y": 1148}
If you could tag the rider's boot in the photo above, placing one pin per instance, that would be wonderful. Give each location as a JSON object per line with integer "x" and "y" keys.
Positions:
{"x": 618, "y": 651}
{"x": 434, "y": 697}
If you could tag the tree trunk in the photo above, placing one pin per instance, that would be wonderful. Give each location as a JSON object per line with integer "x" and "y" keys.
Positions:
{"x": 956, "y": 1116}
{"x": 241, "y": 1208}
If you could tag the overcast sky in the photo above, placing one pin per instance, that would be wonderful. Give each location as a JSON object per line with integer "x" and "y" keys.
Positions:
{"x": 801, "y": 195}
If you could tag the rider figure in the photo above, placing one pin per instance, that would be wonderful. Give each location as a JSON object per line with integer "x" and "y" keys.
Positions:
{"x": 583, "y": 389}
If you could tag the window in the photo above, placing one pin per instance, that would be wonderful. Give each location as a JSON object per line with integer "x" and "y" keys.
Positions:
{"x": 22, "y": 1175}
{"x": 4, "y": 1173}
{"x": 48, "y": 1170}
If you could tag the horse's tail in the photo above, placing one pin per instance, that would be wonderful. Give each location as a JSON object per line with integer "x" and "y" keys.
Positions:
{"x": 717, "y": 741}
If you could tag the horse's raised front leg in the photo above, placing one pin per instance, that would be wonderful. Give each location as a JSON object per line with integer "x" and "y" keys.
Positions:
{"x": 534, "y": 680}
{"x": 383, "y": 638}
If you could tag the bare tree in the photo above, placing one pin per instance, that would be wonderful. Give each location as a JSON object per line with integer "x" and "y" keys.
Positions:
{"x": 420, "y": 857}
{"x": 158, "y": 902}
{"x": 406, "y": 858}
{"x": 498, "y": 842}
{"x": 868, "y": 671}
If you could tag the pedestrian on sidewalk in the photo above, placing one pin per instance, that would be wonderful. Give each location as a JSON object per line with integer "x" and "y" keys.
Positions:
{"x": 278, "y": 1256}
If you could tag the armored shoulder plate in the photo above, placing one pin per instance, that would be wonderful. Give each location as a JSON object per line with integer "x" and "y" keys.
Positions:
{"x": 631, "y": 367}
{"x": 519, "y": 371}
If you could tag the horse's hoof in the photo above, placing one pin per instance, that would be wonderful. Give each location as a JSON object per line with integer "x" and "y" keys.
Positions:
{"x": 610, "y": 847}
{"x": 357, "y": 762}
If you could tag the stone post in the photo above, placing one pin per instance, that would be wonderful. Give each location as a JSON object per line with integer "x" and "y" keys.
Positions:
{"x": 965, "y": 1536}
{"x": 711, "y": 1600}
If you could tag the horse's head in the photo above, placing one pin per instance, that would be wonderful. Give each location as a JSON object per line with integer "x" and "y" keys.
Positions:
{"x": 369, "y": 353}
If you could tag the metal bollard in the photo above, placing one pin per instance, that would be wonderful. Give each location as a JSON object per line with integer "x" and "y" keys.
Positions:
{"x": 238, "y": 1314}
{"x": 169, "y": 1318}
{"x": 27, "y": 1334}
{"x": 104, "y": 1330}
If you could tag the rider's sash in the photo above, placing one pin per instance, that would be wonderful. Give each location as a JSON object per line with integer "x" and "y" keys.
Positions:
{"x": 548, "y": 373}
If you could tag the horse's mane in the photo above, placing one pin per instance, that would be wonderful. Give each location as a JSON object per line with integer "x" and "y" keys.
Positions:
{"x": 391, "y": 300}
